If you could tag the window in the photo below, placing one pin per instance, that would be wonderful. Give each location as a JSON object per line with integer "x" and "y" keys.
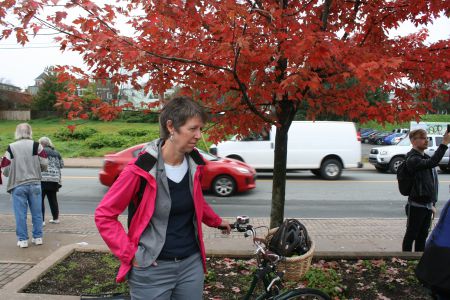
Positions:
{"x": 430, "y": 142}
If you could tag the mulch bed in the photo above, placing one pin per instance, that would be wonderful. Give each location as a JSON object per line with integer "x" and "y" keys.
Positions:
{"x": 227, "y": 278}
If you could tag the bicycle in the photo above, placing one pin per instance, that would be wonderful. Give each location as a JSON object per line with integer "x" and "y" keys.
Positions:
{"x": 266, "y": 271}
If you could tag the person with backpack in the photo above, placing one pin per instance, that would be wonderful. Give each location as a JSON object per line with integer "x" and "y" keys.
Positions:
{"x": 51, "y": 179}
{"x": 424, "y": 190}
{"x": 162, "y": 255}
{"x": 23, "y": 164}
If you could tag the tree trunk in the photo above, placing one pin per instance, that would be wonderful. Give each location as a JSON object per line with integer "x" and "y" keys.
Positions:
{"x": 279, "y": 176}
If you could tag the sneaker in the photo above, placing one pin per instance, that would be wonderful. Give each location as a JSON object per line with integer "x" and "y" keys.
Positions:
{"x": 43, "y": 223}
{"x": 37, "y": 241}
{"x": 54, "y": 221}
{"x": 22, "y": 244}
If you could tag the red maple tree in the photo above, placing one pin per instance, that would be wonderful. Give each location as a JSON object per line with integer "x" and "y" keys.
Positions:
{"x": 258, "y": 61}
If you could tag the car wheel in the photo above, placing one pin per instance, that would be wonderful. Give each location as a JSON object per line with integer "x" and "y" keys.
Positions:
{"x": 236, "y": 157}
{"x": 223, "y": 186}
{"x": 315, "y": 172}
{"x": 395, "y": 162}
{"x": 444, "y": 169}
{"x": 331, "y": 169}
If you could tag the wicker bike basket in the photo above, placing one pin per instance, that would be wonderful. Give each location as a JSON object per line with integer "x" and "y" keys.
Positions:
{"x": 295, "y": 267}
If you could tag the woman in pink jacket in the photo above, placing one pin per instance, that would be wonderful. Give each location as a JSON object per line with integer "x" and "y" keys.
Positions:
{"x": 162, "y": 254}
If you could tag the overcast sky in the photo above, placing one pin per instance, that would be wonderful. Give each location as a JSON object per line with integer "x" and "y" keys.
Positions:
{"x": 21, "y": 65}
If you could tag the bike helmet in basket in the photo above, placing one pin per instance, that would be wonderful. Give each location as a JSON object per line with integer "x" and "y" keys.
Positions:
{"x": 290, "y": 238}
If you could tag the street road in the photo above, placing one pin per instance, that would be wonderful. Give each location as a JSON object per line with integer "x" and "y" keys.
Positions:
{"x": 359, "y": 193}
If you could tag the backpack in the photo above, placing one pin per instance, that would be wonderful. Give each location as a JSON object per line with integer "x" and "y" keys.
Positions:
{"x": 290, "y": 238}
{"x": 132, "y": 207}
{"x": 405, "y": 179}
{"x": 145, "y": 161}
{"x": 433, "y": 269}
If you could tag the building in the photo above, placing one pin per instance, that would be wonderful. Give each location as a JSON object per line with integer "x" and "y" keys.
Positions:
{"x": 9, "y": 87}
{"x": 38, "y": 81}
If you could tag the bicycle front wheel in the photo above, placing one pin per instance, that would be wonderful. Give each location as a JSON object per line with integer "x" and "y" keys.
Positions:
{"x": 303, "y": 294}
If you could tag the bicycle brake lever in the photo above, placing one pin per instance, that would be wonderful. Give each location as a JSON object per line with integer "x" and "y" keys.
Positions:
{"x": 273, "y": 282}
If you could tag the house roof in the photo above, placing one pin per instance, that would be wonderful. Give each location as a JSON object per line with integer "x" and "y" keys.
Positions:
{"x": 42, "y": 76}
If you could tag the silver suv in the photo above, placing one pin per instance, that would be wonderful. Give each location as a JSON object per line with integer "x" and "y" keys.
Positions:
{"x": 390, "y": 157}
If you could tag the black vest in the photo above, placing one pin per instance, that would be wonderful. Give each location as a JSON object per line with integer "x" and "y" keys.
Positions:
{"x": 180, "y": 237}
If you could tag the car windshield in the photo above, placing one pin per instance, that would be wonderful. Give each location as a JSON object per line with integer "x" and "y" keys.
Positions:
{"x": 208, "y": 156}
{"x": 405, "y": 142}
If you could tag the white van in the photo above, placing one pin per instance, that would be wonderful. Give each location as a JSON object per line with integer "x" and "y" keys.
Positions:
{"x": 324, "y": 147}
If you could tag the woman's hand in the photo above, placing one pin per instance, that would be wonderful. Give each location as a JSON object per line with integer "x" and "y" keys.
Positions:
{"x": 225, "y": 227}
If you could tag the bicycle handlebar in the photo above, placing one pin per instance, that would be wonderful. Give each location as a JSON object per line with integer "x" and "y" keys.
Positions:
{"x": 248, "y": 230}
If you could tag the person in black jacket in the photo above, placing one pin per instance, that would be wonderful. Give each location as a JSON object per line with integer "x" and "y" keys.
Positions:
{"x": 423, "y": 196}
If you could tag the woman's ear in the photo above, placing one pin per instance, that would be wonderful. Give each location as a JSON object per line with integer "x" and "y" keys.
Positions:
{"x": 169, "y": 126}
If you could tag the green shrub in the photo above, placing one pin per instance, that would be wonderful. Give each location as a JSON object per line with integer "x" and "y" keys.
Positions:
{"x": 106, "y": 140}
{"x": 140, "y": 117}
{"x": 326, "y": 280}
{"x": 133, "y": 132}
{"x": 78, "y": 134}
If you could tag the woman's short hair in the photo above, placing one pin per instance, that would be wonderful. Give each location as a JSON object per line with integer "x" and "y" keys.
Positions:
{"x": 46, "y": 142}
{"x": 23, "y": 131}
{"x": 179, "y": 110}
{"x": 417, "y": 133}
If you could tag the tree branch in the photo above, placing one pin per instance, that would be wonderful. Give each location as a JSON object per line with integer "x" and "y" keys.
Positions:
{"x": 355, "y": 14}
{"x": 247, "y": 101}
{"x": 325, "y": 14}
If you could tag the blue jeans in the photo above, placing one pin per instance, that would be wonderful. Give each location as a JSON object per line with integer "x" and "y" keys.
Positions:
{"x": 23, "y": 196}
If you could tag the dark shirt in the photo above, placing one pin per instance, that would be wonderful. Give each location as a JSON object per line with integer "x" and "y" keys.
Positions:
{"x": 180, "y": 237}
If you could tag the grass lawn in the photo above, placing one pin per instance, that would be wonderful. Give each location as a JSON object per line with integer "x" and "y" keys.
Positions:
{"x": 82, "y": 146}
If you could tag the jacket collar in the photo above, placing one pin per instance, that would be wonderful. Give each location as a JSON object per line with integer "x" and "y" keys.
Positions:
{"x": 153, "y": 150}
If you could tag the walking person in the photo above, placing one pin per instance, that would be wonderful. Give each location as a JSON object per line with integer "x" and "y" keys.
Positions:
{"x": 51, "y": 179}
{"x": 22, "y": 164}
{"x": 162, "y": 255}
{"x": 423, "y": 196}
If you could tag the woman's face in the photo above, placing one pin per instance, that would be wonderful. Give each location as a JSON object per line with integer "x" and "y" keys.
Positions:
{"x": 187, "y": 136}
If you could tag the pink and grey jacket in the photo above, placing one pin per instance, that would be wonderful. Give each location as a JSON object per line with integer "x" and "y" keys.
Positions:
{"x": 124, "y": 190}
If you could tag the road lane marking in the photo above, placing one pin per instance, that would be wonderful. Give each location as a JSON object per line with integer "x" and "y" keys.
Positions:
{"x": 80, "y": 177}
{"x": 342, "y": 181}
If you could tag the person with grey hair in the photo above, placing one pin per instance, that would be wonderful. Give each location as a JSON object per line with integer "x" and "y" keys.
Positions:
{"x": 23, "y": 163}
{"x": 51, "y": 179}
{"x": 162, "y": 253}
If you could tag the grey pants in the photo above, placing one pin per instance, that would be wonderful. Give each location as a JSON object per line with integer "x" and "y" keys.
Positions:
{"x": 171, "y": 280}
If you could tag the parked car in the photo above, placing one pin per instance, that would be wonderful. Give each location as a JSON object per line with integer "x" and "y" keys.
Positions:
{"x": 390, "y": 157}
{"x": 397, "y": 138}
{"x": 365, "y": 135}
{"x": 378, "y": 138}
{"x": 222, "y": 176}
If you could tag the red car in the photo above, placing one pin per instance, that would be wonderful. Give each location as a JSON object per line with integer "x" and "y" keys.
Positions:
{"x": 222, "y": 176}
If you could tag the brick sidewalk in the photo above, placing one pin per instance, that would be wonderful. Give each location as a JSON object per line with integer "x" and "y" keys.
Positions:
{"x": 352, "y": 229}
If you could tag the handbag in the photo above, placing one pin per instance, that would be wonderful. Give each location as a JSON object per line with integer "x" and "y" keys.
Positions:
{"x": 433, "y": 269}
